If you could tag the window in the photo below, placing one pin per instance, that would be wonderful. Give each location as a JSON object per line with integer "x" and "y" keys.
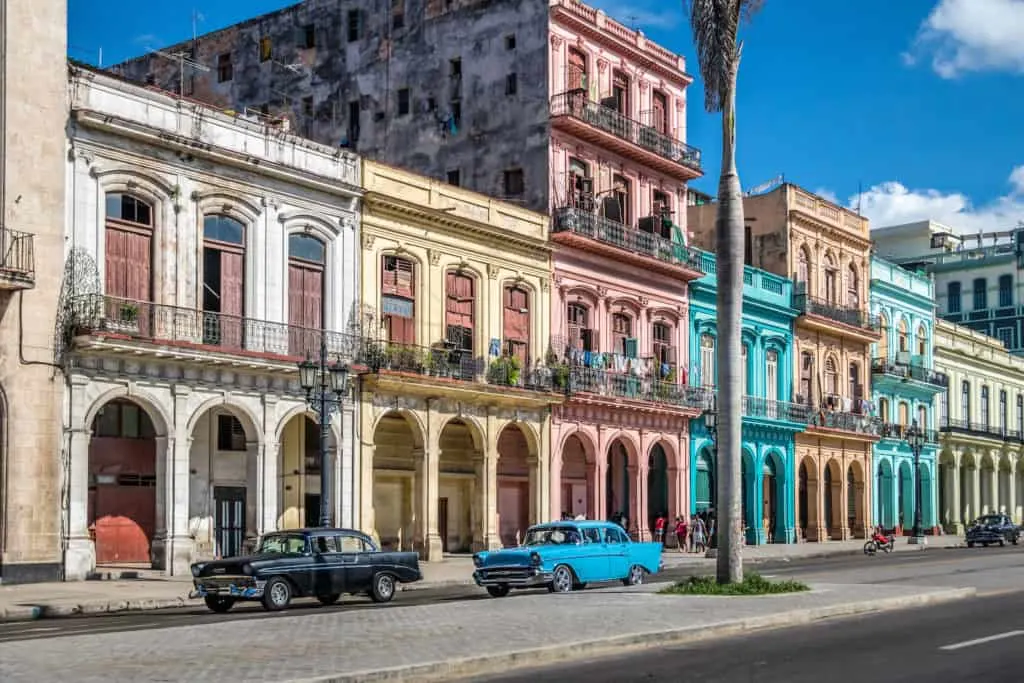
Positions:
{"x": 944, "y": 408}
{"x": 576, "y": 71}
{"x": 831, "y": 277}
{"x": 707, "y": 360}
{"x": 1020, "y": 414}
{"x": 516, "y": 323}
{"x": 953, "y": 297}
{"x": 397, "y": 14}
{"x": 510, "y": 41}
{"x": 806, "y": 377}
{"x": 1004, "y": 419}
{"x": 622, "y": 335}
{"x": 803, "y": 265}
{"x": 514, "y": 182}
{"x": 856, "y": 388}
{"x": 307, "y": 106}
{"x": 581, "y": 337}
{"x": 403, "y": 101}
{"x": 883, "y": 342}
{"x": 852, "y": 287}
{"x": 309, "y": 36}
{"x": 307, "y": 260}
{"x": 454, "y": 177}
{"x": 616, "y": 205}
{"x": 659, "y": 112}
{"x": 223, "y": 281}
{"x": 266, "y": 49}
{"x": 965, "y": 402}
{"x": 922, "y": 417}
{"x": 831, "y": 377}
{"x": 353, "y": 25}
{"x": 664, "y": 352}
{"x": 883, "y": 410}
{"x": 125, "y": 207}
{"x": 225, "y": 70}
{"x": 460, "y": 310}
{"x": 745, "y": 371}
{"x": 129, "y": 237}
{"x": 984, "y": 406}
{"x": 352, "y": 544}
{"x": 903, "y": 337}
{"x": 511, "y": 84}
{"x": 904, "y": 414}
{"x": 1005, "y": 290}
{"x": 230, "y": 434}
{"x": 980, "y": 291}
{"x": 922, "y": 342}
{"x": 456, "y": 113}
{"x": 121, "y": 419}
{"x": 455, "y": 68}
{"x": 771, "y": 375}
{"x": 619, "y": 100}
{"x": 1005, "y": 336}
{"x": 398, "y": 299}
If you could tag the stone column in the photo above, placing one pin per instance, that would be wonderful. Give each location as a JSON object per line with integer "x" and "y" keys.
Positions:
{"x": 427, "y": 535}
{"x": 821, "y": 525}
{"x": 1011, "y": 493}
{"x": 268, "y": 486}
{"x": 489, "y": 512}
{"x": 637, "y": 524}
{"x": 367, "y": 511}
{"x": 640, "y": 505}
{"x": 80, "y": 556}
{"x": 994, "y": 488}
{"x": 172, "y": 545}
{"x": 975, "y": 492}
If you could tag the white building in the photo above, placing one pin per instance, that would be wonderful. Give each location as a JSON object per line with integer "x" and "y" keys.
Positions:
{"x": 205, "y": 255}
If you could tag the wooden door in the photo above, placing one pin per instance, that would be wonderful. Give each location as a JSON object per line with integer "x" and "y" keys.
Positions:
{"x": 516, "y": 324}
{"x": 128, "y": 277}
{"x": 305, "y": 308}
{"x": 659, "y": 113}
{"x": 232, "y": 293}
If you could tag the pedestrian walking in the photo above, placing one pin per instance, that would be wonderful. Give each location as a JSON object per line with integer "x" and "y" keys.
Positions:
{"x": 699, "y": 543}
{"x": 682, "y": 543}
{"x": 659, "y": 528}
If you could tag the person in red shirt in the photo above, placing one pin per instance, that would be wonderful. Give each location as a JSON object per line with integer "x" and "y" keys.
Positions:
{"x": 659, "y": 528}
{"x": 681, "y": 540}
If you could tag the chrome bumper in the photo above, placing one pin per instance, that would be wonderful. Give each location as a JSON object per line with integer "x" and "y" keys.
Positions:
{"x": 519, "y": 577}
{"x": 228, "y": 591}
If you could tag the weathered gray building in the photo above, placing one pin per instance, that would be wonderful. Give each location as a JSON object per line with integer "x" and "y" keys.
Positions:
{"x": 454, "y": 89}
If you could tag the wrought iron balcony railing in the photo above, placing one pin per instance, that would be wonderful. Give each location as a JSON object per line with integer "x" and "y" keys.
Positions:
{"x": 888, "y": 430}
{"x": 597, "y": 227}
{"x": 981, "y": 429}
{"x": 754, "y": 406}
{"x": 577, "y": 104}
{"x": 886, "y": 366}
{"x": 848, "y": 315}
{"x": 17, "y": 256}
{"x": 849, "y": 422}
{"x": 632, "y": 387}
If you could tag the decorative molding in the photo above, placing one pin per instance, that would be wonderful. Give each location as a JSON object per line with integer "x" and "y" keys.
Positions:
{"x": 368, "y": 240}
{"x": 556, "y": 42}
{"x": 545, "y": 284}
{"x": 602, "y": 291}
{"x": 493, "y": 271}
{"x": 602, "y": 66}
{"x": 644, "y": 301}
{"x": 434, "y": 256}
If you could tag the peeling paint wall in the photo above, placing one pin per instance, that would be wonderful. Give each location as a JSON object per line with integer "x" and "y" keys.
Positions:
{"x": 461, "y": 114}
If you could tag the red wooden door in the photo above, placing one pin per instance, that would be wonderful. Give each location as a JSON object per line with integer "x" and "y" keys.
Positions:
{"x": 305, "y": 308}
{"x": 576, "y": 76}
{"x": 459, "y": 310}
{"x": 517, "y": 323}
{"x": 660, "y": 121}
{"x": 128, "y": 254}
{"x": 232, "y": 293}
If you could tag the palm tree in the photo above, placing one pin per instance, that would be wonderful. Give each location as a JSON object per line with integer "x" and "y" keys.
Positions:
{"x": 715, "y": 25}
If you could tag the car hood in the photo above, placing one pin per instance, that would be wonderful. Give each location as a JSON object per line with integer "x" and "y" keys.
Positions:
{"x": 516, "y": 556}
{"x": 233, "y": 566}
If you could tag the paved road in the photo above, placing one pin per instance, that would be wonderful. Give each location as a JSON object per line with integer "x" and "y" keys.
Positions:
{"x": 971, "y": 640}
{"x": 985, "y": 569}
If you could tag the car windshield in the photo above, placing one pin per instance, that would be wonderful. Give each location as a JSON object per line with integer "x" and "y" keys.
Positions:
{"x": 989, "y": 520}
{"x": 552, "y": 536}
{"x": 289, "y": 544}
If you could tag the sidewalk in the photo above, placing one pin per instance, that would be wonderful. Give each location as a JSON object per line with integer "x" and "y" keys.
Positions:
{"x": 154, "y": 591}
{"x": 441, "y": 641}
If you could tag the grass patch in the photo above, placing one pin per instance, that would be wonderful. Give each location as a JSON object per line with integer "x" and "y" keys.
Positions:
{"x": 753, "y": 584}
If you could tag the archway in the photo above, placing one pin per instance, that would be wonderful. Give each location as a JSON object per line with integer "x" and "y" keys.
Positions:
{"x": 773, "y": 493}
{"x": 806, "y": 495}
{"x": 987, "y": 486}
{"x": 829, "y": 483}
{"x": 657, "y": 485}
{"x": 577, "y": 478}
{"x": 884, "y": 494}
{"x": 748, "y": 499}
{"x": 969, "y": 505}
{"x": 905, "y": 498}
{"x": 397, "y": 482}
{"x": 223, "y": 483}
{"x": 927, "y": 502}
{"x": 299, "y": 467}
{"x": 515, "y": 480}
{"x": 704, "y": 488}
{"x": 460, "y": 515}
{"x": 856, "y": 519}
{"x": 618, "y": 500}
{"x": 949, "y": 516}
{"x": 122, "y": 483}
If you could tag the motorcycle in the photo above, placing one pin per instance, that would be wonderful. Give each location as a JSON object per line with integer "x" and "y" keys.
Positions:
{"x": 880, "y": 541}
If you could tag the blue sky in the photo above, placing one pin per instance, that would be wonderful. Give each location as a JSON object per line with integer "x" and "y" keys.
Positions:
{"x": 917, "y": 102}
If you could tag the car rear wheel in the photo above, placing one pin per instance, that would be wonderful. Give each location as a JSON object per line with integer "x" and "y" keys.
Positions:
{"x": 635, "y": 577}
{"x": 562, "y": 579}
{"x": 329, "y": 599}
{"x": 277, "y": 595}
{"x": 383, "y": 588}
{"x": 499, "y": 591}
{"x": 219, "y": 604}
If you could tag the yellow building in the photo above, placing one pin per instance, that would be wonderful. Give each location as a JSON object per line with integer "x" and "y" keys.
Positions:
{"x": 455, "y": 406}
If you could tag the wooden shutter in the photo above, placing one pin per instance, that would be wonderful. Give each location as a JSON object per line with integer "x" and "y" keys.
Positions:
{"x": 232, "y": 297}
{"x": 460, "y": 301}
{"x": 577, "y": 75}
{"x": 660, "y": 121}
{"x": 305, "y": 308}
{"x": 116, "y": 263}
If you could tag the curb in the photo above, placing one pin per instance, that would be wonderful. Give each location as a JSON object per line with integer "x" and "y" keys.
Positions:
{"x": 35, "y": 612}
{"x": 559, "y": 654}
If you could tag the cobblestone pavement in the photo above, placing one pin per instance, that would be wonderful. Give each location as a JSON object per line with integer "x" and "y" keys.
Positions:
{"x": 294, "y": 648}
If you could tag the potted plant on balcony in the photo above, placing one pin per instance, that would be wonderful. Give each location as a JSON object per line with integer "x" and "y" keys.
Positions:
{"x": 125, "y": 318}
{"x": 504, "y": 370}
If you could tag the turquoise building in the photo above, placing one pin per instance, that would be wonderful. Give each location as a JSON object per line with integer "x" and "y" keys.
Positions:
{"x": 904, "y": 385}
{"x": 770, "y": 419}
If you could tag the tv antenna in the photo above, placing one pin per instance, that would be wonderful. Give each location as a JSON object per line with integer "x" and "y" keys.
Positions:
{"x": 183, "y": 60}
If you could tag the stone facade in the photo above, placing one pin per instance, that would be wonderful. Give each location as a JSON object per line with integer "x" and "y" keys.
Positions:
{"x": 982, "y": 423}
{"x": 207, "y": 256}
{"x": 33, "y": 113}
{"x": 904, "y": 386}
{"x": 455, "y": 405}
{"x": 770, "y": 418}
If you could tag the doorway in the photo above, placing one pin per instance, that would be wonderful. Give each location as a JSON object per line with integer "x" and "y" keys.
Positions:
{"x": 229, "y": 520}
{"x": 442, "y": 522}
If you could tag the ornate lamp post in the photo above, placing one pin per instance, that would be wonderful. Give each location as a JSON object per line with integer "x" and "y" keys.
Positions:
{"x": 915, "y": 438}
{"x": 710, "y": 416}
{"x": 326, "y": 387}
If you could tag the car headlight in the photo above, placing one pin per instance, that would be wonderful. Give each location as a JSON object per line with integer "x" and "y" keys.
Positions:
{"x": 535, "y": 559}
{"x": 477, "y": 561}
{"x": 197, "y": 569}
{"x": 247, "y": 569}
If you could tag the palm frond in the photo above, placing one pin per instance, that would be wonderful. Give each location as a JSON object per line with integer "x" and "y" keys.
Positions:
{"x": 715, "y": 27}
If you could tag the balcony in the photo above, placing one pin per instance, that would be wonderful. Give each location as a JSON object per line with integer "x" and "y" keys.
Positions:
{"x": 575, "y": 113}
{"x": 629, "y": 387}
{"x": 823, "y": 315}
{"x": 905, "y": 372}
{"x": 763, "y": 408}
{"x": 981, "y": 429}
{"x": 17, "y": 260}
{"x": 758, "y": 285}
{"x": 888, "y": 430}
{"x": 592, "y": 232}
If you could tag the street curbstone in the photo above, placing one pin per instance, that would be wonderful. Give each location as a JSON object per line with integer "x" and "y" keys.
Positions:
{"x": 489, "y": 665}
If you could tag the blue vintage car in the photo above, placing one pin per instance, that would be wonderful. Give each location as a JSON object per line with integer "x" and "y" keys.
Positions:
{"x": 566, "y": 556}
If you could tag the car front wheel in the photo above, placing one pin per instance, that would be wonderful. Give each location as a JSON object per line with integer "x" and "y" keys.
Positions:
{"x": 277, "y": 595}
{"x": 562, "y": 580}
{"x": 635, "y": 577}
{"x": 383, "y": 588}
{"x": 218, "y": 604}
{"x": 498, "y": 591}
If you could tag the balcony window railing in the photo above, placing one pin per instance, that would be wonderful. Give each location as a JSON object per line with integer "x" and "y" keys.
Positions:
{"x": 889, "y": 430}
{"x": 849, "y": 422}
{"x": 753, "y": 406}
{"x": 633, "y": 387}
{"x": 17, "y": 255}
{"x": 848, "y": 315}
{"x": 577, "y": 104}
{"x": 981, "y": 429}
{"x": 886, "y": 366}
{"x": 597, "y": 227}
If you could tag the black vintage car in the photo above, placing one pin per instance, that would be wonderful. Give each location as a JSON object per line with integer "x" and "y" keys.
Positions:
{"x": 992, "y": 529}
{"x": 318, "y": 563}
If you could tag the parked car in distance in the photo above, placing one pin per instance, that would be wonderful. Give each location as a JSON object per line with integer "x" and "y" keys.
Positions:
{"x": 989, "y": 529}
{"x": 566, "y": 556}
{"x": 319, "y": 563}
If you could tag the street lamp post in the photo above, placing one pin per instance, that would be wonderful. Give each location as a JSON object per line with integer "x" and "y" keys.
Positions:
{"x": 915, "y": 437}
{"x": 326, "y": 386}
{"x": 710, "y": 416}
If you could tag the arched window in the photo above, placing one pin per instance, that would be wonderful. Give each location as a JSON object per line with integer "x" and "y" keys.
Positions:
{"x": 576, "y": 70}
{"x": 516, "y": 323}
{"x": 831, "y": 377}
{"x": 903, "y": 336}
{"x": 745, "y": 362}
{"x": 883, "y": 409}
{"x": 803, "y": 266}
{"x": 984, "y": 407}
{"x": 460, "y": 310}
{"x": 883, "y": 343}
{"x": 965, "y": 402}
{"x": 581, "y": 336}
{"x": 922, "y": 417}
{"x": 707, "y": 360}
{"x": 831, "y": 280}
{"x": 771, "y": 375}
{"x": 307, "y": 261}
{"x": 852, "y": 287}
{"x": 663, "y": 349}
{"x": 129, "y": 249}
{"x": 623, "y": 340}
{"x": 856, "y": 388}
{"x": 922, "y": 341}
{"x": 904, "y": 414}
{"x": 398, "y": 299}
{"x": 223, "y": 291}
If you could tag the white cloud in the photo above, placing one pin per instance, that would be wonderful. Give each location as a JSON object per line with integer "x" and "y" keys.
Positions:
{"x": 828, "y": 195}
{"x": 892, "y": 203}
{"x": 641, "y": 13}
{"x": 960, "y": 36}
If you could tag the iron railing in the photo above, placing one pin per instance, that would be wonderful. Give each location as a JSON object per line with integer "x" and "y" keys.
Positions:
{"x": 849, "y": 422}
{"x": 17, "y": 255}
{"x": 981, "y": 429}
{"x": 886, "y": 366}
{"x": 636, "y": 388}
{"x": 592, "y": 225}
{"x": 578, "y": 105}
{"x": 888, "y": 430}
{"x": 848, "y": 315}
{"x": 754, "y": 406}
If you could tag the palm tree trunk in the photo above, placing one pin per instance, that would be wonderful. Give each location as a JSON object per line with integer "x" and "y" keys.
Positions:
{"x": 729, "y": 239}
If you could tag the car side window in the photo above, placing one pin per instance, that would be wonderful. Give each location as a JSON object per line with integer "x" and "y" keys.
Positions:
{"x": 615, "y": 535}
{"x": 351, "y": 544}
{"x": 327, "y": 544}
{"x": 591, "y": 535}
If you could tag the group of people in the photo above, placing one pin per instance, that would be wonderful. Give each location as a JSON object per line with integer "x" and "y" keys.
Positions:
{"x": 691, "y": 535}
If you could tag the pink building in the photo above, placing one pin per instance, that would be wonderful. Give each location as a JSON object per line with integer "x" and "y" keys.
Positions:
{"x": 619, "y": 169}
